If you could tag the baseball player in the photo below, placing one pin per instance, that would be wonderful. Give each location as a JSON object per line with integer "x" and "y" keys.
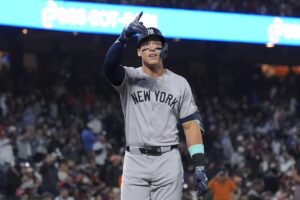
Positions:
{"x": 154, "y": 100}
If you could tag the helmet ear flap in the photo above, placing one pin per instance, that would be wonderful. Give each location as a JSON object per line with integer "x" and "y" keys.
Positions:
{"x": 164, "y": 51}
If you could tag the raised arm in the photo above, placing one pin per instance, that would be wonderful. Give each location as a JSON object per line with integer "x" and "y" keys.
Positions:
{"x": 112, "y": 69}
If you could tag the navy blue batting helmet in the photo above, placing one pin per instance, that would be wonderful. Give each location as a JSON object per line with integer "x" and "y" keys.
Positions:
{"x": 151, "y": 31}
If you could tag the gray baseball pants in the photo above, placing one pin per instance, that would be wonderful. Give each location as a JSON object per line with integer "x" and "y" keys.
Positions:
{"x": 147, "y": 177}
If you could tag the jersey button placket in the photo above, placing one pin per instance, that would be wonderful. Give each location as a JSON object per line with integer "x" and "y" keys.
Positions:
{"x": 151, "y": 128}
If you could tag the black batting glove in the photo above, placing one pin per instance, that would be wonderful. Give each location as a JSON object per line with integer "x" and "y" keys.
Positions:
{"x": 200, "y": 181}
{"x": 133, "y": 28}
{"x": 200, "y": 178}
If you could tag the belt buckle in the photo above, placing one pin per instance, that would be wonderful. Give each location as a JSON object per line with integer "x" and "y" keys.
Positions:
{"x": 158, "y": 150}
{"x": 152, "y": 150}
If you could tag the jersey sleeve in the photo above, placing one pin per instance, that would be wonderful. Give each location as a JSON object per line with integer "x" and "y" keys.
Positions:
{"x": 130, "y": 74}
{"x": 187, "y": 104}
{"x": 188, "y": 109}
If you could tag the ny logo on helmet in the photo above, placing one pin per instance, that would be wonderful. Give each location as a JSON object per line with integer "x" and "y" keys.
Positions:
{"x": 150, "y": 31}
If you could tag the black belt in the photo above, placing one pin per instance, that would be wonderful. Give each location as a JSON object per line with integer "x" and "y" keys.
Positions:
{"x": 152, "y": 150}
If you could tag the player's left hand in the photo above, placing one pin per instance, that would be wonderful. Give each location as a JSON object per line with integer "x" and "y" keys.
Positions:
{"x": 200, "y": 181}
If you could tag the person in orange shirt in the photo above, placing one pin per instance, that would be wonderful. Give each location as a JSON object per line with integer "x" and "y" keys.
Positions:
{"x": 222, "y": 186}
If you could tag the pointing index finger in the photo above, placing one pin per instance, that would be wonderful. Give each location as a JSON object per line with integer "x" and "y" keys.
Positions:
{"x": 138, "y": 17}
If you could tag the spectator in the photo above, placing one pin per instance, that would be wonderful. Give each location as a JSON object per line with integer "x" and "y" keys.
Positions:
{"x": 88, "y": 135}
{"x": 64, "y": 194}
{"x": 255, "y": 191}
{"x": 6, "y": 150}
{"x": 24, "y": 144}
{"x": 100, "y": 154}
{"x": 3, "y": 106}
{"x": 30, "y": 182}
{"x": 49, "y": 175}
{"x": 72, "y": 150}
{"x": 296, "y": 178}
{"x": 13, "y": 181}
{"x": 222, "y": 186}
{"x": 237, "y": 159}
{"x": 272, "y": 179}
{"x": 226, "y": 144}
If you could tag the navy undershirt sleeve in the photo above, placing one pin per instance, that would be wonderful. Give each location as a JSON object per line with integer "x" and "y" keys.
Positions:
{"x": 112, "y": 69}
{"x": 196, "y": 117}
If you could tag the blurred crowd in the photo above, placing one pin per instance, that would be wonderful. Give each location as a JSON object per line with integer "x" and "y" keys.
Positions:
{"x": 254, "y": 142}
{"x": 62, "y": 137}
{"x": 53, "y": 136}
{"x": 270, "y": 7}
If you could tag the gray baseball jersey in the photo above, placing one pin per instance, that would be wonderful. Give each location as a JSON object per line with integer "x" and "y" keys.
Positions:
{"x": 153, "y": 106}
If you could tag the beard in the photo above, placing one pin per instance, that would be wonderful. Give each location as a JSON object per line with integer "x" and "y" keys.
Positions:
{"x": 153, "y": 66}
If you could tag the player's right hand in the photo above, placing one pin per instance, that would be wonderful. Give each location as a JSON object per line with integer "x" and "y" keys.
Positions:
{"x": 135, "y": 27}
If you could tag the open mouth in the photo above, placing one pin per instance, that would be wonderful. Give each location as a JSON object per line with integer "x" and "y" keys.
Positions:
{"x": 152, "y": 55}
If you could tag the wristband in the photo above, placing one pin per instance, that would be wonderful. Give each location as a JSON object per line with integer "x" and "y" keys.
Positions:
{"x": 197, "y": 148}
{"x": 197, "y": 153}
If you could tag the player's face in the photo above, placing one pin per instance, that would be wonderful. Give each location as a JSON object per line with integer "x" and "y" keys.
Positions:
{"x": 149, "y": 51}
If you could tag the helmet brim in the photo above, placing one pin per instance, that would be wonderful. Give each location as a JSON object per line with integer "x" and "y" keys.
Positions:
{"x": 149, "y": 38}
